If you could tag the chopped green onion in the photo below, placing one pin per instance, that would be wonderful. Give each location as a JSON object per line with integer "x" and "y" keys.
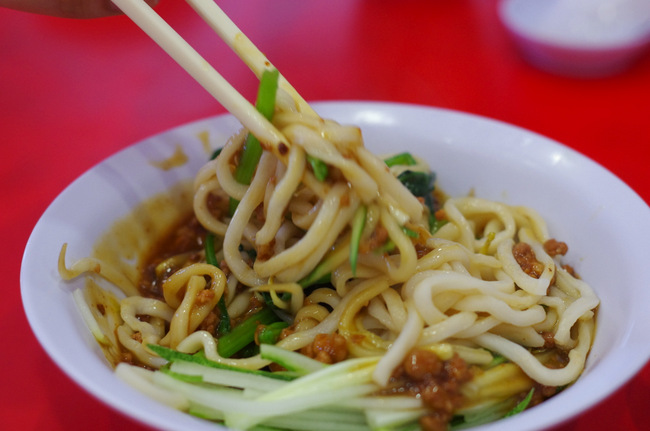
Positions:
{"x": 358, "y": 223}
{"x": 244, "y": 333}
{"x": 210, "y": 254}
{"x": 400, "y": 159}
{"x": 252, "y": 151}
{"x": 269, "y": 334}
{"x": 319, "y": 167}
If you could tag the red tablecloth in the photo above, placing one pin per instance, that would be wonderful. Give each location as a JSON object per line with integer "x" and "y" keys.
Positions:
{"x": 75, "y": 92}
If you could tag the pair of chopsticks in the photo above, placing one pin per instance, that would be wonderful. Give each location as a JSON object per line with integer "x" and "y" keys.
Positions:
{"x": 190, "y": 60}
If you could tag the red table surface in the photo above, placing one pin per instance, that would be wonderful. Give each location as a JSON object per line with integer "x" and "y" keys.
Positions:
{"x": 74, "y": 92}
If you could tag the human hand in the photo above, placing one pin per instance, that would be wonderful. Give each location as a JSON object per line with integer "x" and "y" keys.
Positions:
{"x": 68, "y": 8}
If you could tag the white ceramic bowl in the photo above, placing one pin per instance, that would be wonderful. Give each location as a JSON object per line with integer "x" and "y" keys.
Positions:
{"x": 581, "y": 38}
{"x": 582, "y": 202}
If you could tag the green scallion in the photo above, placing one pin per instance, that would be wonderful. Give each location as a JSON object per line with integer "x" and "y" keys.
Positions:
{"x": 244, "y": 333}
{"x": 358, "y": 223}
{"x": 252, "y": 151}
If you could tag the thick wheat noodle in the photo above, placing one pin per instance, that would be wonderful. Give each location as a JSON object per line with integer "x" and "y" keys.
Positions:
{"x": 480, "y": 326}
{"x": 305, "y": 266}
{"x": 447, "y": 328}
{"x": 496, "y": 307}
{"x": 526, "y": 336}
{"x": 96, "y": 266}
{"x": 534, "y": 286}
{"x": 532, "y": 367}
{"x": 317, "y": 239}
{"x": 388, "y": 185}
{"x": 303, "y": 210}
{"x": 285, "y": 234}
{"x": 247, "y": 205}
{"x": 405, "y": 342}
{"x": 189, "y": 311}
{"x": 174, "y": 286}
{"x": 152, "y": 331}
{"x": 347, "y": 320}
{"x": 281, "y": 196}
{"x": 185, "y": 321}
{"x": 126, "y": 337}
{"x": 407, "y": 254}
{"x": 201, "y": 210}
{"x": 470, "y": 207}
{"x": 389, "y": 310}
{"x": 579, "y": 308}
{"x": 318, "y": 147}
{"x": 222, "y": 169}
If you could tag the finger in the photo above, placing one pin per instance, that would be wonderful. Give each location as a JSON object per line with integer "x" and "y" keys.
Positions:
{"x": 81, "y": 9}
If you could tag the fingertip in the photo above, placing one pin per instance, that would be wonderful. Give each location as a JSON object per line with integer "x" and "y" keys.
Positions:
{"x": 115, "y": 8}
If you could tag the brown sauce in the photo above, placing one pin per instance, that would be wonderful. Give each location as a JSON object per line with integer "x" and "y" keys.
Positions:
{"x": 181, "y": 245}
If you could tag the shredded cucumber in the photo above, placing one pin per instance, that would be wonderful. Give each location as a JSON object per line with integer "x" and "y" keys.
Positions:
{"x": 324, "y": 397}
{"x": 290, "y": 360}
{"x": 334, "y": 397}
{"x": 231, "y": 378}
{"x": 174, "y": 355}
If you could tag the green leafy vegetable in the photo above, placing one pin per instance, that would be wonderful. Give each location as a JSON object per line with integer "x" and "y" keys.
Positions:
{"x": 418, "y": 183}
{"x": 421, "y": 184}
{"x": 400, "y": 159}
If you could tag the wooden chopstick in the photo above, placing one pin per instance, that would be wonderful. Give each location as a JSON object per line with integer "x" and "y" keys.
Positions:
{"x": 190, "y": 60}
{"x": 243, "y": 47}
